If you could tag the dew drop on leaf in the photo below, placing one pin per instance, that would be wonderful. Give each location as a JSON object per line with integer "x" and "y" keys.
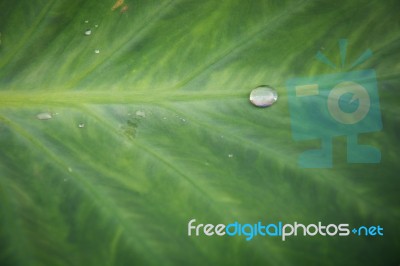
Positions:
{"x": 97, "y": 51}
{"x": 81, "y": 125}
{"x": 88, "y": 32}
{"x": 140, "y": 114}
{"x": 117, "y": 4}
{"x": 124, "y": 9}
{"x": 263, "y": 96}
{"x": 44, "y": 116}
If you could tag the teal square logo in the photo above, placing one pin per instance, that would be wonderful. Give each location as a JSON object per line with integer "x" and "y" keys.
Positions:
{"x": 339, "y": 104}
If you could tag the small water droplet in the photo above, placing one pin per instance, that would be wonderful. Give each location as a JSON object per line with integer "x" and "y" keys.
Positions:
{"x": 81, "y": 125}
{"x": 86, "y": 21}
{"x": 140, "y": 113}
{"x": 88, "y": 32}
{"x": 97, "y": 51}
{"x": 44, "y": 116}
{"x": 96, "y": 26}
{"x": 263, "y": 96}
{"x": 164, "y": 118}
{"x": 183, "y": 120}
{"x": 230, "y": 155}
{"x": 130, "y": 128}
{"x": 70, "y": 169}
{"x": 117, "y": 4}
{"x": 124, "y": 9}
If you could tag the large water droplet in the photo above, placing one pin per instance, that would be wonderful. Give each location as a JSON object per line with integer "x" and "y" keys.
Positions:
{"x": 88, "y": 32}
{"x": 263, "y": 96}
{"x": 44, "y": 116}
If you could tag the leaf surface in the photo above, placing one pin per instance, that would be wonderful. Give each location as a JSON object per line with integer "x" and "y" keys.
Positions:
{"x": 156, "y": 129}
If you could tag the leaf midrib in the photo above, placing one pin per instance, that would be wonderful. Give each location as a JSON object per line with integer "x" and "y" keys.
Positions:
{"x": 24, "y": 99}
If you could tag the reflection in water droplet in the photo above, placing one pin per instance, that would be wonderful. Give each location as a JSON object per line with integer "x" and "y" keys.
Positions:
{"x": 88, "y": 32}
{"x": 81, "y": 125}
{"x": 97, "y": 51}
{"x": 44, "y": 116}
{"x": 263, "y": 96}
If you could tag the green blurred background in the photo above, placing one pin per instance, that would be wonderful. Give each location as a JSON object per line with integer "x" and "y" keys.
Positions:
{"x": 169, "y": 134}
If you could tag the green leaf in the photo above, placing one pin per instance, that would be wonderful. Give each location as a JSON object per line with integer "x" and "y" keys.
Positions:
{"x": 156, "y": 129}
